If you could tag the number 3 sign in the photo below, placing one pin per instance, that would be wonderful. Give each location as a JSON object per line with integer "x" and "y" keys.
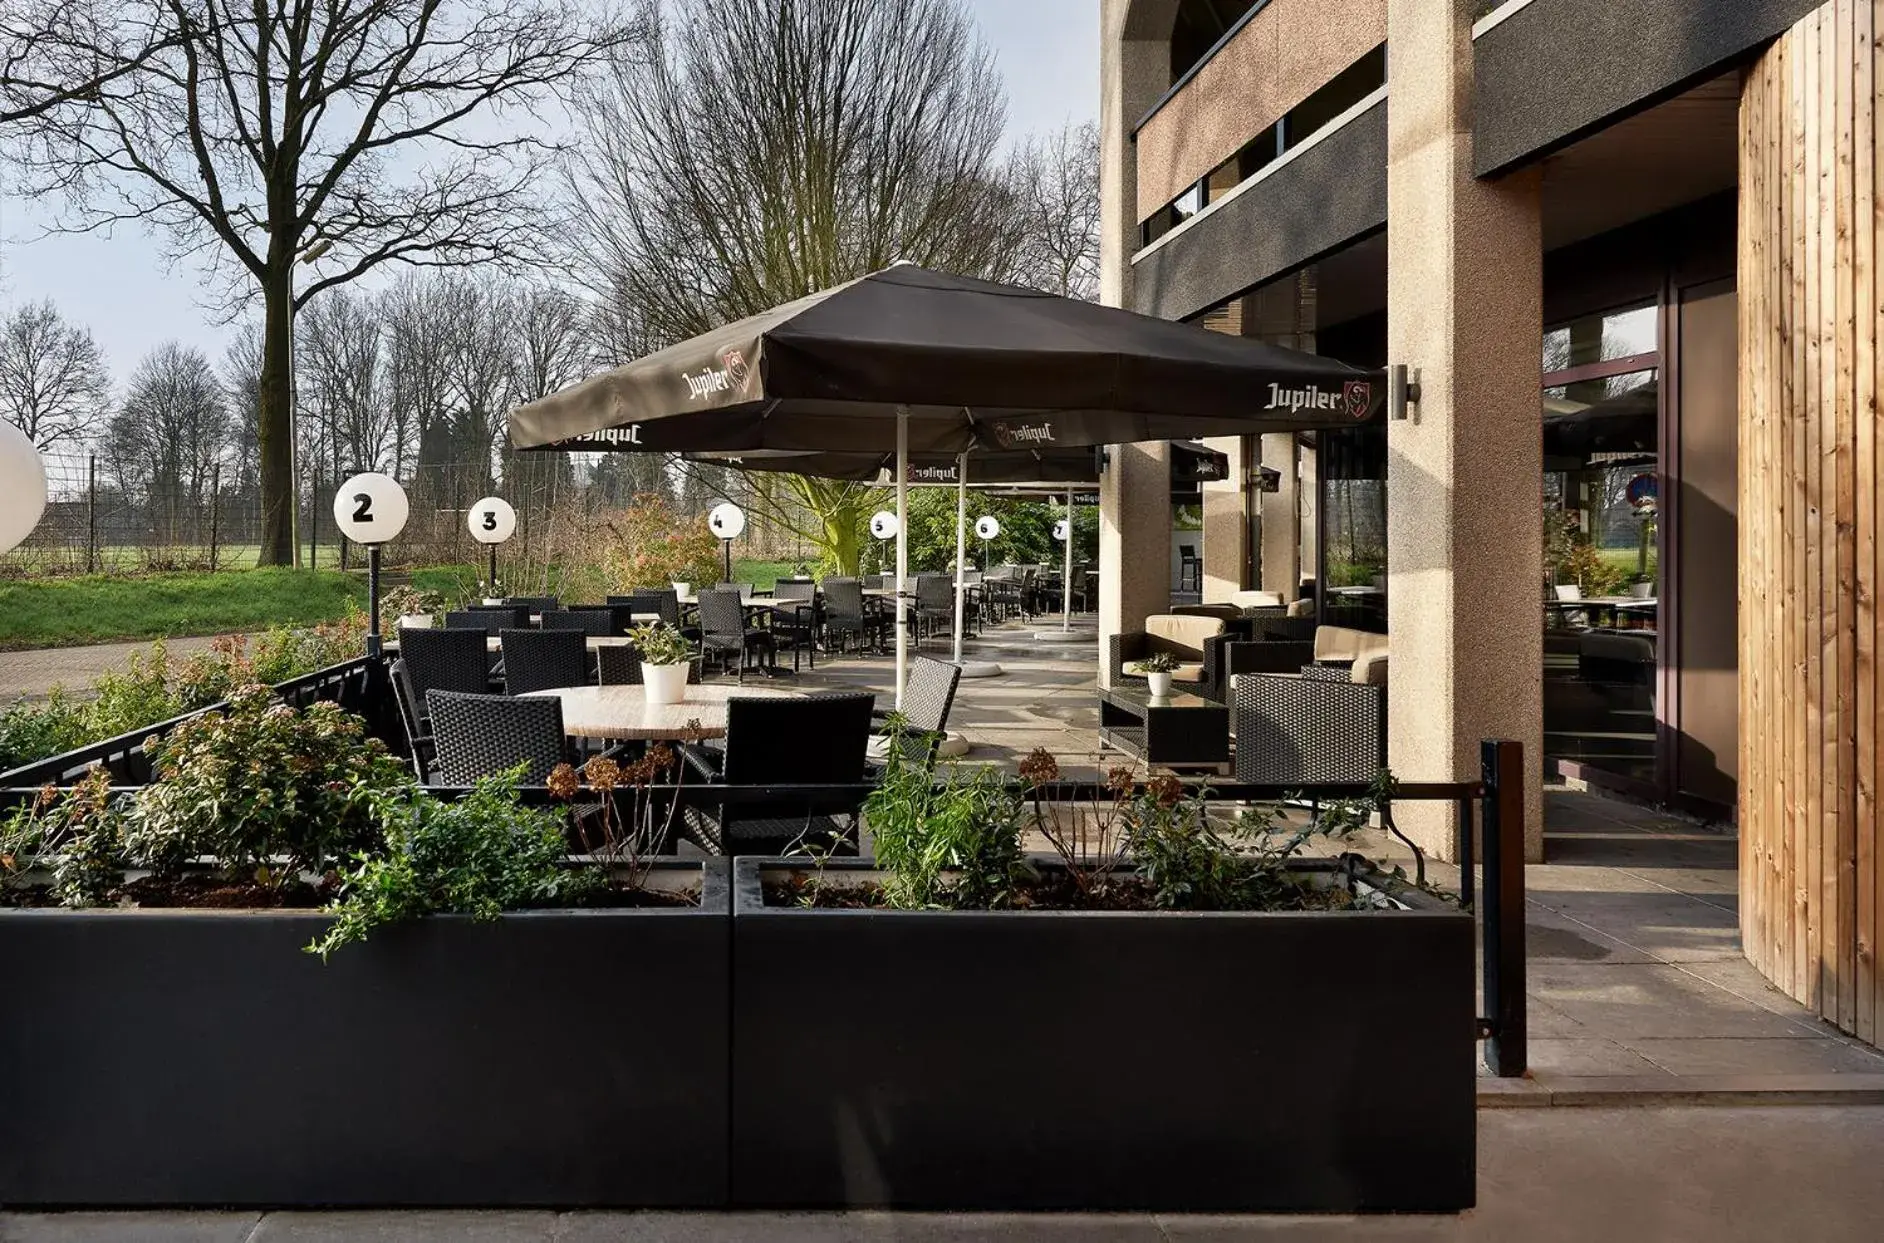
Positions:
{"x": 492, "y": 520}
{"x": 371, "y": 508}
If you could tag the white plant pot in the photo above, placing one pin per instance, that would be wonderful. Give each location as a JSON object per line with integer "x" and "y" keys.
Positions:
{"x": 1641, "y": 591}
{"x": 680, "y": 588}
{"x": 493, "y": 599}
{"x": 1160, "y": 684}
{"x": 417, "y": 621}
{"x": 666, "y": 684}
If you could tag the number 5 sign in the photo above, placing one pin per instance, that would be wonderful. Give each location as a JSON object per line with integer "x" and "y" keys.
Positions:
{"x": 491, "y": 520}
{"x": 371, "y": 508}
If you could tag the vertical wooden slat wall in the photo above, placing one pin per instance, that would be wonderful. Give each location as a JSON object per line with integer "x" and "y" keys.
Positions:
{"x": 1811, "y": 873}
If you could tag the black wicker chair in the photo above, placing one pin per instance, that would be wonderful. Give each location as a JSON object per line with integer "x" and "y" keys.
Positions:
{"x": 794, "y": 589}
{"x": 795, "y": 626}
{"x": 819, "y": 740}
{"x": 620, "y": 665}
{"x": 498, "y": 617}
{"x": 724, "y": 633}
{"x": 845, "y": 616}
{"x": 532, "y": 604}
{"x": 482, "y": 735}
{"x": 453, "y": 659}
{"x": 1309, "y": 728}
{"x": 935, "y": 603}
{"x": 928, "y": 696}
{"x": 1226, "y": 656}
{"x": 595, "y": 620}
{"x": 542, "y": 660}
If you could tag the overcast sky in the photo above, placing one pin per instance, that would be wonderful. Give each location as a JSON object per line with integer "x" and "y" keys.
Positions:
{"x": 1048, "y": 52}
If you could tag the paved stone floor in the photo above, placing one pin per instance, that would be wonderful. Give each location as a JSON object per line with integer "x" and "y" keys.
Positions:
{"x": 1658, "y": 1175}
{"x": 34, "y": 672}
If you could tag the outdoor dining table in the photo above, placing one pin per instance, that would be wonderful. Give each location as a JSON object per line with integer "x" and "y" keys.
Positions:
{"x": 594, "y": 641}
{"x": 623, "y": 712}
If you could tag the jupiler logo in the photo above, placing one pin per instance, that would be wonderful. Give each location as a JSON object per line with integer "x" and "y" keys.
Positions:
{"x": 1358, "y": 396}
{"x": 629, "y": 435}
{"x": 1308, "y": 397}
{"x": 1038, "y": 433}
{"x": 729, "y": 375}
{"x": 932, "y": 474}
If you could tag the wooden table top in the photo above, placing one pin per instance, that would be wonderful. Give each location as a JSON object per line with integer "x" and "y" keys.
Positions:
{"x": 623, "y": 712}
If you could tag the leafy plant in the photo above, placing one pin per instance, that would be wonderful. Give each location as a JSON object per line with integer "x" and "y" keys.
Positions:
{"x": 32, "y": 731}
{"x": 76, "y": 833}
{"x": 263, "y": 789}
{"x": 953, "y": 844}
{"x": 480, "y": 856}
{"x": 408, "y": 601}
{"x": 651, "y": 544}
{"x": 661, "y": 645}
{"x": 1157, "y": 662}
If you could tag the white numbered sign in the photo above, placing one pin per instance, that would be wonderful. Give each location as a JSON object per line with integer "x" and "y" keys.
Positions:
{"x": 371, "y": 508}
{"x": 1060, "y": 529}
{"x": 883, "y": 524}
{"x": 492, "y": 520}
{"x": 987, "y": 528}
{"x": 727, "y": 520}
{"x": 22, "y": 486}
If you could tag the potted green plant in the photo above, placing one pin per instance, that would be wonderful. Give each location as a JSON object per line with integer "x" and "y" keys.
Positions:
{"x": 665, "y": 657}
{"x": 415, "y": 609}
{"x": 1157, "y": 669}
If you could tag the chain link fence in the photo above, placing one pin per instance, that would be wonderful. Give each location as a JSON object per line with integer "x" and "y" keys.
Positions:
{"x": 96, "y": 523}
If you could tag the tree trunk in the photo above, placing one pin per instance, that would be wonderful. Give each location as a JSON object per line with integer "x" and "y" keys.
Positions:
{"x": 274, "y": 420}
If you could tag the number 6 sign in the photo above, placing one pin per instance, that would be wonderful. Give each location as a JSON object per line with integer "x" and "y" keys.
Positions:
{"x": 491, "y": 520}
{"x": 371, "y": 508}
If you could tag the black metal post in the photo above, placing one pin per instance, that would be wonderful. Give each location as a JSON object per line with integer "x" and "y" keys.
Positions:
{"x": 215, "y": 512}
{"x": 1466, "y": 864}
{"x": 1502, "y": 908}
{"x": 493, "y": 578}
{"x": 314, "y": 522}
{"x": 91, "y": 515}
{"x": 372, "y": 600}
{"x": 727, "y": 546}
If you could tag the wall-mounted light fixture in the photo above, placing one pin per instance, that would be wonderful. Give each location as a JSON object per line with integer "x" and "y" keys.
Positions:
{"x": 1403, "y": 390}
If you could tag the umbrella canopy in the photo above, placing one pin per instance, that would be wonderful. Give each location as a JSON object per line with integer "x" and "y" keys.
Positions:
{"x": 1624, "y": 425}
{"x": 930, "y": 469}
{"x": 970, "y": 363}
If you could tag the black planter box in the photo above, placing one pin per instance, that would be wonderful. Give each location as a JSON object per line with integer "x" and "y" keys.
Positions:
{"x": 200, "y": 1058}
{"x": 1311, "y": 1062}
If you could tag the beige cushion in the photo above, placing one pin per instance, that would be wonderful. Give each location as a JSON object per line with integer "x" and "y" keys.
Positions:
{"x": 1302, "y": 608}
{"x": 1256, "y": 599}
{"x": 1568, "y": 591}
{"x": 1370, "y": 670}
{"x": 1338, "y": 643}
{"x": 1187, "y": 632}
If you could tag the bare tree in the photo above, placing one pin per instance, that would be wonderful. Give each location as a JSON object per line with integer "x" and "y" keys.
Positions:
{"x": 169, "y": 433}
{"x": 56, "y": 51}
{"x": 756, "y": 152}
{"x": 241, "y": 377}
{"x": 341, "y": 381}
{"x": 53, "y": 382}
{"x": 255, "y": 132}
{"x": 418, "y": 359}
{"x": 1056, "y": 188}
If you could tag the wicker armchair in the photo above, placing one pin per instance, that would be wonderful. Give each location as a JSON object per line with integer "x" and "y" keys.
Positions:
{"x": 541, "y": 660}
{"x": 482, "y": 735}
{"x": 845, "y": 615}
{"x": 935, "y": 602}
{"x": 532, "y": 604}
{"x": 599, "y": 622}
{"x": 1186, "y": 638}
{"x": 1309, "y": 728}
{"x": 818, "y": 740}
{"x": 496, "y": 617}
{"x": 928, "y": 696}
{"x": 724, "y": 633}
{"x": 1226, "y": 656}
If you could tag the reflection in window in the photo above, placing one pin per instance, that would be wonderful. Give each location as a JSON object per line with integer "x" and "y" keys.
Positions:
{"x": 1198, "y": 27}
{"x": 1353, "y": 468}
{"x": 1601, "y": 338}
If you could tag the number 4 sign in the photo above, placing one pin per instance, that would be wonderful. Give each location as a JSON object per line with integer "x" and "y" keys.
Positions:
{"x": 371, "y": 508}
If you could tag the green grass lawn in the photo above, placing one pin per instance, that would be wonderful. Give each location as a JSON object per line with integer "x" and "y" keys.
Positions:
{"x": 61, "y": 612}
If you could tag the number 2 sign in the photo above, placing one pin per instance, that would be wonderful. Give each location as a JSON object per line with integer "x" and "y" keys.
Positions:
{"x": 491, "y": 520}
{"x": 371, "y": 508}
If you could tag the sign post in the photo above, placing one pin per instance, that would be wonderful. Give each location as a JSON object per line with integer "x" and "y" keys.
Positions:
{"x": 726, "y": 520}
{"x": 370, "y": 509}
{"x": 491, "y": 522}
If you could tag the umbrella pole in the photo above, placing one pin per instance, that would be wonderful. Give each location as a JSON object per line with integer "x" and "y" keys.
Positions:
{"x": 961, "y": 545}
{"x": 1066, "y": 572}
{"x": 902, "y": 550}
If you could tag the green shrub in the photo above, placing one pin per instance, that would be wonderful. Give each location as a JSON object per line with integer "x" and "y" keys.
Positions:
{"x": 263, "y": 789}
{"x": 32, "y": 731}
{"x": 76, "y": 834}
{"x": 954, "y": 844}
{"x": 481, "y": 856}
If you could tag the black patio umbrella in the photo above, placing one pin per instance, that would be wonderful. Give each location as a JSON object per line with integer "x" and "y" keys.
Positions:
{"x": 908, "y": 359}
{"x": 1623, "y": 424}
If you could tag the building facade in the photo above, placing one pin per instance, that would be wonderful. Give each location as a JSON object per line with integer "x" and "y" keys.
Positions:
{"x": 1628, "y": 249}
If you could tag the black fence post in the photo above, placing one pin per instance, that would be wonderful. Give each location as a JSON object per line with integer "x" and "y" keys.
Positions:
{"x": 313, "y": 521}
{"x": 91, "y": 515}
{"x": 215, "y": 512}
{"x": 1502, "y": 907}
{"x": 1467, "y": 865}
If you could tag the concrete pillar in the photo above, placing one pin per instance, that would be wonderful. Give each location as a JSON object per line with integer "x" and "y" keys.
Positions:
{"x": 1465, "y": 520}
{"x": 1281, "y": 535}
{"x": 1135, "y": 493}
{"x": 1226, "y": 525}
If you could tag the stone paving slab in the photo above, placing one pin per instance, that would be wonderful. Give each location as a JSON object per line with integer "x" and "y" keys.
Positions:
{"x": 33, "y": 673}
{"x": 1654, "y": 1174}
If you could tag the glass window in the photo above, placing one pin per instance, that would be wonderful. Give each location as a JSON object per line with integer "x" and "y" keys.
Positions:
{"x": 1601, "y": 338}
